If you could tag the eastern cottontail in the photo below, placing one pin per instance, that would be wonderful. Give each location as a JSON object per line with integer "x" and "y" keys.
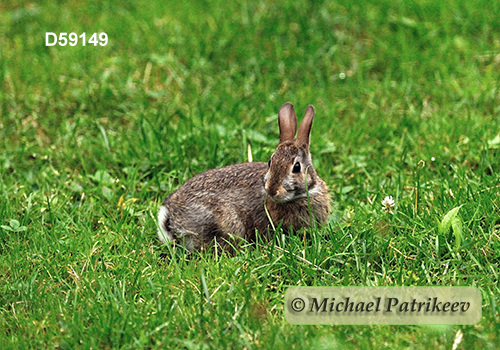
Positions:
{"x": 227, "y": 203}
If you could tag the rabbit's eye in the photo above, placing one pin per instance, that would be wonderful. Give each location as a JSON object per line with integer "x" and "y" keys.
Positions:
{"x": 269, "y": 164}
{"x": 296, "y": 168}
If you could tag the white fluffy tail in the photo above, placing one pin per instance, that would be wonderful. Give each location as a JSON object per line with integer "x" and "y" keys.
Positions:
{"x": 163, "y": 218}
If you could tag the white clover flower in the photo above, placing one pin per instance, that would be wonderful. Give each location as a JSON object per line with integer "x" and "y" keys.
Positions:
{"x": 388, "y": 203}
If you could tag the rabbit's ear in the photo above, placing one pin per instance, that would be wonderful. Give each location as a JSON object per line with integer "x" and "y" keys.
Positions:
{"x": 287, "y": 121}
{"x": 305, "y": 127}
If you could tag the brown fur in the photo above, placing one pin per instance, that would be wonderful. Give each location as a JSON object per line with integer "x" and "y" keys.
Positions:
{"x": 224, "y": 204}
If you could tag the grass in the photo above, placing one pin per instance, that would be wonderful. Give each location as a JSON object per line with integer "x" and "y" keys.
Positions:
{"x": 93, "y": 138}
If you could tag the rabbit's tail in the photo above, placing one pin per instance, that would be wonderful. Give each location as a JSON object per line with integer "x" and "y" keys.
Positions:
{"x": 164, "y": 233}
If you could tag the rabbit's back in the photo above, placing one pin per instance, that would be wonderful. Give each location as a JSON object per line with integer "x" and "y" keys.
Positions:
{"x": 243, "y": 176}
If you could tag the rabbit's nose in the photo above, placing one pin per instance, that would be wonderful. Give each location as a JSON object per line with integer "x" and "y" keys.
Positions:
{"x": 268, "y": 188}
{"x": 272, "y": 189}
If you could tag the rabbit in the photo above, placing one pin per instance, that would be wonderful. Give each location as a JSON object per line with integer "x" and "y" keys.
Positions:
{"x": 224, "y": 204}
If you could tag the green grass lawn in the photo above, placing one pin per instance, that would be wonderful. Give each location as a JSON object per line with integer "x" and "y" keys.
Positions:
{"x": 92, "y": 138}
